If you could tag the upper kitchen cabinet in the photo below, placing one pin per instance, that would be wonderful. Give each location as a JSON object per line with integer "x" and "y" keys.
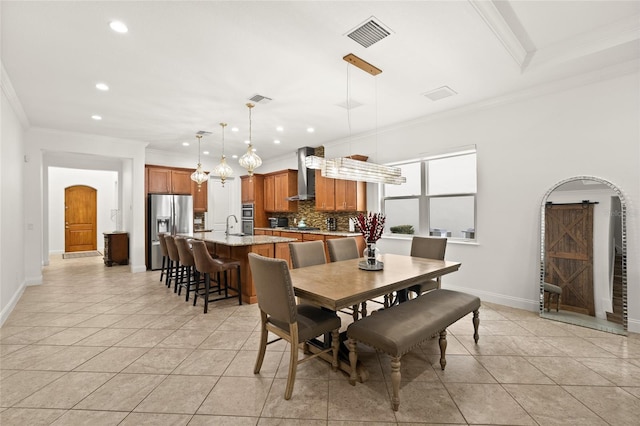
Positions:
{"x": 251, "y": 188}
{"x": 165, "y": 180}
{"x": 278, "y": 186}
{"x": 340, "y": 195}
{"x": 200, "y": 199}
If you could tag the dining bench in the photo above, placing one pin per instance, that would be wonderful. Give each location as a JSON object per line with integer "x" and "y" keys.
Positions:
{"x": 400, "y": 328}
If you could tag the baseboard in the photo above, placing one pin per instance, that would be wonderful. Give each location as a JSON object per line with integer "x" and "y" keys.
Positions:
{"x": 6, "y": 311}
{"x": 500, "y": 299}
{"x": 138, "y": 268}
{"x": 33, "y": 280}
{"x": 633, "y": 325}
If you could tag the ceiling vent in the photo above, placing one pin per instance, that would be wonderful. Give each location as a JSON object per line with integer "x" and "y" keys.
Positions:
{"x": 203, "y": 133}
{"x": 369, "y": 32}
{"x": 259, "y": 99}
{"x": 440, "y": 93}
{"x": 351, "y": 105}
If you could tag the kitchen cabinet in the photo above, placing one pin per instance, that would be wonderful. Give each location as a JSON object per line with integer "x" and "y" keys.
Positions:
{"x": 251, "y": 189}
{"x": 340, "y": 195}
{"x": 325, "y": 193}
{"x": 167, "y": 180}
{"x": 116, "y": 248}
{"x": 285, "y": 184}
{"x": 200, "y": 200}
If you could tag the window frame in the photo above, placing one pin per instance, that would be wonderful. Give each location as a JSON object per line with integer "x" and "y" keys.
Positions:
{"x": 424, "y": 199}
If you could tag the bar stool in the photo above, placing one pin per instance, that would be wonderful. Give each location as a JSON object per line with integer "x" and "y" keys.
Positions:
{"x": 174, "y": 262}
{"x": 207, "y": 265}
{"x": 165, "y": 255}
{"x": 186, "y": 278}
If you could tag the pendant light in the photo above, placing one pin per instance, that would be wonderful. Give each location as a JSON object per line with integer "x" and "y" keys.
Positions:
{"x": 223, "y": 170}
{"x": 250, "y": 160}
{"x": 199, "y": 176}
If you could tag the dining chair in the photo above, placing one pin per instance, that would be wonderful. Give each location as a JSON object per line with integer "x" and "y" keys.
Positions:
{"x": 280, "y": 315}
{"x": 307, "y": 253}
{"x": 346, "y": 249}
{"x": 428, "y": 248}
{"x": 165, "y": 255}
{"x": 550, "y": 290}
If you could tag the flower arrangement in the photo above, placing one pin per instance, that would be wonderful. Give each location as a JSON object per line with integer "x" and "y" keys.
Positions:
{"x": 371, "y": 226}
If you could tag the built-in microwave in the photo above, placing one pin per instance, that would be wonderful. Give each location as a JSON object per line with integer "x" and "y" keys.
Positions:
{"x": 247, "y": 211}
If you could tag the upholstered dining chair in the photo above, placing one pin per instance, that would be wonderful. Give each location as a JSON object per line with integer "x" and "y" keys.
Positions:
{"x": 281, "y": 316}
{"x": 165, "y": 255}
{"x": 345, "y": 249}
{"x": 550, "y": 290}
{"x": 429, "y": 248}
{"x": 307, "y": 253}
{"x": 186, "y": 278}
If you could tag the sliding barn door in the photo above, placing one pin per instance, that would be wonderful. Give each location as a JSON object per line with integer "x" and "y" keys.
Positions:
{"x": 569, "y": 254}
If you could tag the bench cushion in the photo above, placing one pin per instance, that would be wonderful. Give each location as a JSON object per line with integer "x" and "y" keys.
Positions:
{"x": 399, "y": 329}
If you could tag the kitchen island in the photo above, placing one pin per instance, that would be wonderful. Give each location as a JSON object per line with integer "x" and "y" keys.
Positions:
{"x": 238, "y": 247}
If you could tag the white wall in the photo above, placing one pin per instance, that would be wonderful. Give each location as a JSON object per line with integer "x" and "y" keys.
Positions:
{"x": 12, "y": 226}
{"x": 524, "y": 147}
{"x": 106, "y": 184}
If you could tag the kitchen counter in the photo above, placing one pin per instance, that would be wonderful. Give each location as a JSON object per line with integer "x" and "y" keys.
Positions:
{"x": 317, "y": 232}
{"x": 237, "y": 240}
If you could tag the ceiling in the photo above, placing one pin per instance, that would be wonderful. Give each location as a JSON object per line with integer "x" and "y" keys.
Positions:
{"x": 186, "y": 66}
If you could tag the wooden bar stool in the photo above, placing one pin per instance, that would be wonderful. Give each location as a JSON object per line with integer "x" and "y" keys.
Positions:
{"x": 165, "y": 255}
{"x": 174, "y": 262}
{"x": 187, "y": 278}
{"x": 219, "y": 267}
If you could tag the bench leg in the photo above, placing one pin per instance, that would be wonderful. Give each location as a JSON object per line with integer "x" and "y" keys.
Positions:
{"x": 443, "y": 348}
{"x": 395, "y": 382}
{"x": 353, "y": 360}
{"x": 476, "y": 325}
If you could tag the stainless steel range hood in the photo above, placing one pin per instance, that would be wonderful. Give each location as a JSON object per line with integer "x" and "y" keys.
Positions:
{"x": 306, "y": 177}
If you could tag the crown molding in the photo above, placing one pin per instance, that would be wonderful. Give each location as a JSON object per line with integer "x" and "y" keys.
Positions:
{"x": 502, "y": 30}
{"x": 607, "y": 37}
{"x": 12, "y": 97}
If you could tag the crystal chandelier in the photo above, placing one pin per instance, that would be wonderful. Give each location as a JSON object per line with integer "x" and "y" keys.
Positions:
{"x": 223, "y": 170}
{"x": 250, "y": 159}
{"x": 199, "y": 176}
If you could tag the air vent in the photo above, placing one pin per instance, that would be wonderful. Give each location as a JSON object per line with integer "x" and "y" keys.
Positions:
{"x": 440, "y": 93}
{"x": 260, "y": 99}
{"x": 369, "y": 32}
{"x": 203, "y": 133}
{"x": 352, "y": 104}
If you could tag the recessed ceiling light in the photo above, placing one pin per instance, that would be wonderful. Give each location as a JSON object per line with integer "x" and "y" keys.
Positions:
{"x": 234, "y": 129}
{"x": 279, "y": 128}
{"x": 185, "y": 143}
{"x": 205, "y": 152}
{"x": 96, "y": 117}
{"x": 118, "y": 26}
{"x": 276, "y": 141}
{"x": 102, "y": 86}
{"x": 310, "y": 129}
{"x": 234, "y": 156}
{"x": 247, "y": 142}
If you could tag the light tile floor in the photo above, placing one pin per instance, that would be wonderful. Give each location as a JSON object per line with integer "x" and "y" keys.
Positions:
{"x": 101, "y": 346}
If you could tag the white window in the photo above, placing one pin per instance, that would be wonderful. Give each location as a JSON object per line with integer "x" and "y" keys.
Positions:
{"x": 439, "y": 198}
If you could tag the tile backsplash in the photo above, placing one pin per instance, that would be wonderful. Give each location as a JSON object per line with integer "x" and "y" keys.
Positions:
{"x": 307, "y": 211}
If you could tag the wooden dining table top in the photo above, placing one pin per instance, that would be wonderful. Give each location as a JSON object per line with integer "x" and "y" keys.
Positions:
{"x": 338, "y": 285}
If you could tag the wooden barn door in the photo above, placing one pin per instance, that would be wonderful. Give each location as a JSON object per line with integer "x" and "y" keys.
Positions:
{"x": 569, "y": 254}
{"x": 80, "y": 219}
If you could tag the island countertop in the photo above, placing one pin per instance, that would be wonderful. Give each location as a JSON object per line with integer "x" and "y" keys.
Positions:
{"x": 314, "y": 231}
{"x": 237, "y": 240}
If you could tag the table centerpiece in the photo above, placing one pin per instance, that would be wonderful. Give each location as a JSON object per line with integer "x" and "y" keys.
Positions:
{"x": 371, "y": 226}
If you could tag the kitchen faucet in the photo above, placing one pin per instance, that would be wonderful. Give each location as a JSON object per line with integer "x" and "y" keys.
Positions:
{"x": 226, "y": 232}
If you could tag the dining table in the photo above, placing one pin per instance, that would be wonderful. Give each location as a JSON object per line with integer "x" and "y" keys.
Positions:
{"x": 339, "y": 285}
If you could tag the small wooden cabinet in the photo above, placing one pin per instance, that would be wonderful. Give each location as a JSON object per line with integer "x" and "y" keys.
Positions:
{"x": 116, "y": 248}
{"x": 158, "y": 180}
{"x": 251, "y": 188}
{"x": 181, "y": 182}
{"x": 340, "y": 195}
{"x": 269, "y": 192}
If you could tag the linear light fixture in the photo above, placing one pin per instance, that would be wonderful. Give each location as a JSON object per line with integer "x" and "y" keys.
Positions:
{"x": 350, "y": 169}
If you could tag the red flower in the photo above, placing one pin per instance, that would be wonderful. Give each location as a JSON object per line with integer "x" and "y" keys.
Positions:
{"x": 371, "y": 226}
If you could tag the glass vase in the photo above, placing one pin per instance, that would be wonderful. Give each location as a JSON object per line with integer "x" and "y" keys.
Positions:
{"x": 371, "y": 254}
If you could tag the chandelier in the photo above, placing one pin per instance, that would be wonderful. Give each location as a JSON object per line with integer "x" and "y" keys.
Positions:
{"x": 223, "y": 170}
{"x": 351, "y": 169}
{"x": 250, "y": 160}
{"x": 199, "y": 176}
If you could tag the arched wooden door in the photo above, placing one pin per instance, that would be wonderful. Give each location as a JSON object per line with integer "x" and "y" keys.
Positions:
{"x": 80, "y": 219}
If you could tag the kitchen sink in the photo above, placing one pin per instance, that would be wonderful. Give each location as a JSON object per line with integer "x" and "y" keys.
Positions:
{"x": 238, "y": 234}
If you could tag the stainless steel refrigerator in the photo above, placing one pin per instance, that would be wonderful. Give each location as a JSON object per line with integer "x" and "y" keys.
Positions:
{"x": 167, "y": 213}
